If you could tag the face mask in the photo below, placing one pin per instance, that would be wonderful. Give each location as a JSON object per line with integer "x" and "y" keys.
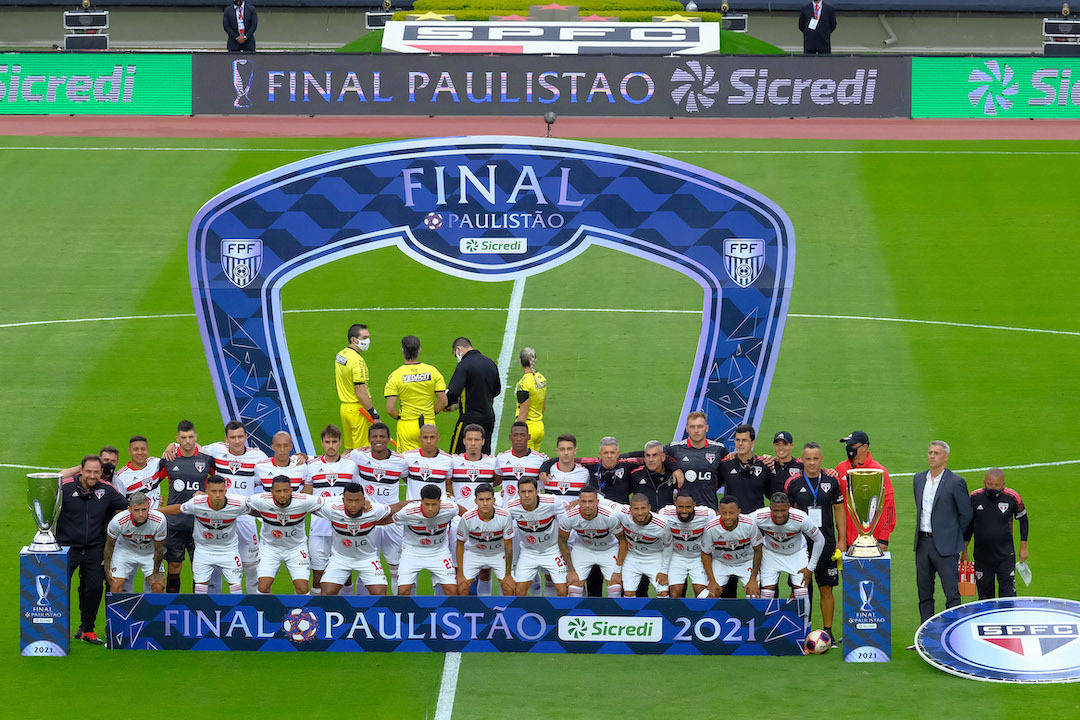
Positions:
{"x": 365, "y": 343}
{"x": 852, "y": 451}
{"x": 992, "y": 494}
{"x": 107, "y": 469}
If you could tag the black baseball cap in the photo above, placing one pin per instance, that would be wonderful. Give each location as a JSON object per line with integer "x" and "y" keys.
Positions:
{"x": 856, "y": 438}
{"x": 783, "y": 436}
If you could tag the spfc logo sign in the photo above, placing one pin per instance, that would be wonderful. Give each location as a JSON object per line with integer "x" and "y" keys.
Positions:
{"x": 744, "y": 260}
{"x": 241, "y": 260}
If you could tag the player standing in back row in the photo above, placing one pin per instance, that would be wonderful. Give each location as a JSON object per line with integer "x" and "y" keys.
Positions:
{"x": 697, "y": 461}
{"x": 187, "y": 474}
{"x": 531, "y": 395}
{"x": 328, "y": 475}
{"x": 351, "y": 379}
{"x": 381, "y": 471}
{"x": 414, "y": 393}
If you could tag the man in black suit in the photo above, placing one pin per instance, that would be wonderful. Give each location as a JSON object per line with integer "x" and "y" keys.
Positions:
{"x": 942, "y": 514}
{"x": 239, "y": 21}
{"x": 816, "y": 23}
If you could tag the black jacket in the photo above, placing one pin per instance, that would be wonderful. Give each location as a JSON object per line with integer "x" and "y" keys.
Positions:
{"x": 232, "y": 28}
{"x": 475, "y": 384}
{"x": 84, "y": 515}
{"x": 817, "y": 41}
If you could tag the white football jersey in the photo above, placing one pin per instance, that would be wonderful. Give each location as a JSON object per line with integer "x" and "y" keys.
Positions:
{"x": 354, "y": 537}
{"x": 786, "y": 539}
{"x": 513, "y": 468}
{"x": 467, "y": 474}
{"x": 646, "y": 540}
{"x": 215, "y": 530}
{"x": 485, "y": 537}
{"x": 328, "y": 480}
{"x": 128, "y": 480}
{"x": 137, "y": 539}
{"x": 566, "y": 485}
{"x": 283, "y": 527}
{"x": 424, "y": 535}
{"x": 597, "y": 533}
{"x": 266, "y": 471}
{"x": 238, "y": 470}
{"x": 539, "y": 527}
{"x": 426, "y": 471}
{"x": 686, "y": 537}
{"x": 731, "y": 547}
{"x": 380, "y": 478}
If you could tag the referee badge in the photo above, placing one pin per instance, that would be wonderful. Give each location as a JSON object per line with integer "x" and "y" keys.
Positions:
{"x": 744, "y": 260}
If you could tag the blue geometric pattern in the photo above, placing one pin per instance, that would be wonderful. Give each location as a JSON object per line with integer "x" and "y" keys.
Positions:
{"x": 437, "y": 201}
{"x": 44, "y": 604}
{"x": 868, "y": 609}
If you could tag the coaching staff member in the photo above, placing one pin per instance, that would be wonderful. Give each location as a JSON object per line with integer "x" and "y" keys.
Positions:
{"x": 857, "y": 445}
{"x": 942, "y": 514}
{"x": 239, "y": 22}
{"x": 994, "y": 507}
{"x": 473, "y": 388}
{"x": 816, "y": 23}
{"x": 86, "y": 506}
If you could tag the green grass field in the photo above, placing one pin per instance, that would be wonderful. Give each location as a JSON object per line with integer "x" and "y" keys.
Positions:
{"x": 972, "y": 233}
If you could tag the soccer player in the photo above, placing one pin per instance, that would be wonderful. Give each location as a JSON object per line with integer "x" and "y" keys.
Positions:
{"x": 599, "y": 542}
{"x": 427, "y": 464}
{"x": 818, "y": 495}
{"x": 563, "y": 477}
{"x": 141, "y": 474}
{"x": 647, "y": 550}
{"x": 186, "y": 474}
{"x": 235, "y": 461}
{"x": 747, "y": 476}
{"x": 216, "y": 547}
{"x": 471, "y": 469}
{"x": 354, "y": 520}
{"x": 686, "y": 525}
{"x": 381, "y": 471}
{"x": 328, "y": 475}
{"x": 135, "y": 540}
{"x": 414, "y": 393}
{"x": 995, "y": 507}
{"x": 425, "y": 525}
{"x": 520, "y": 461}
{"x": 535, "y": 516}
{"x": 697, "y": 461}
{"x": 283, "y": 539}
{"x": 485, "y": 537}
{"x": 281, "y": 463}
{"x": 531, "y": 395}
{"x": 351, "y": 378}
{"x": 784, "y": 549}
{"x": 731, "y": 550}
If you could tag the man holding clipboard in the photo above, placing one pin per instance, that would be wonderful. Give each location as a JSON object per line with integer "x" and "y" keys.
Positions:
{"x": 817, "y": 22}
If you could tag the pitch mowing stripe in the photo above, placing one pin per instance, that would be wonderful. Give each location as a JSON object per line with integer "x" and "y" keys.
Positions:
{"x": 448, "y": 687}
{"x": 513, "y": 314}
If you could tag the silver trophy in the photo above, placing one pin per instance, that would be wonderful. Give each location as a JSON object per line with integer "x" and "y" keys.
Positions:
{"x": 43, "y": 498}
{"x": 866, "y": 491}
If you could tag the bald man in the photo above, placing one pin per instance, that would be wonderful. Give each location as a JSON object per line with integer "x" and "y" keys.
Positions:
{"x": 282, "y": 462}
{"x": 994, "y": 507}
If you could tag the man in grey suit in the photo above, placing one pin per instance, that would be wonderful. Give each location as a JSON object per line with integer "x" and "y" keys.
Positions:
{"x": 942, "y": 513}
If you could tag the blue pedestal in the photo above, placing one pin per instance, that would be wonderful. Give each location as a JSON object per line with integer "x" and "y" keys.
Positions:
{"x": 44, "y": 604}
{"x": 867, "y": 609}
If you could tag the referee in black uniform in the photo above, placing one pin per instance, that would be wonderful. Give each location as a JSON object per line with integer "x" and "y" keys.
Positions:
{"x": 473, "y": 388}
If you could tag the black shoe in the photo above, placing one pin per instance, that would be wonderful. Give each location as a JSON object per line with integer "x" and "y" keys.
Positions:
{"x": 836, "y": 642}
{"x": 79, "y": 634}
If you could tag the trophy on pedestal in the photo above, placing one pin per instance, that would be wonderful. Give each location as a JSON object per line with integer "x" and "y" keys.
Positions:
{"x": 865, "y": 490}
{"x": 43, "y": 498}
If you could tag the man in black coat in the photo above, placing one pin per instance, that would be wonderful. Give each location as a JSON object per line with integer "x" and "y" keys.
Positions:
{"x": 239, "y": 22}
{"x": 816, "y": 23}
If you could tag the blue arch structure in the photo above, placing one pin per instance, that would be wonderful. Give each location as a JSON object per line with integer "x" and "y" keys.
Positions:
{"x": 488, "y": 209}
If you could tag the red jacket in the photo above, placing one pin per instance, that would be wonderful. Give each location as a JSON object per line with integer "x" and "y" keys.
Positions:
{"x": 887, "y": 523}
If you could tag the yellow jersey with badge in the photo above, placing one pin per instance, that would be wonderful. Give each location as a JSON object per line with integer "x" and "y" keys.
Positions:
{"x": 415, "y": 386}
{"x": 532, "y": 387}
{"x": 349, "y": 370}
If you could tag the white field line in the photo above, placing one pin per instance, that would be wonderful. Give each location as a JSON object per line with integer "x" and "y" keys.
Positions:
{"x": 448, "y": 687}
{"x": 506, "y": 352}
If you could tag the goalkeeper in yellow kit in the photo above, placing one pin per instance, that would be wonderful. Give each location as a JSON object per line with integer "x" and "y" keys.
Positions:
{"x": 414, "y": 393}
{"x": 531, "y": 392}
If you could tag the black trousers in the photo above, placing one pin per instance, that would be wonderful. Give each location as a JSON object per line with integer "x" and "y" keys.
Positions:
{"x": 457, "y": 441}
{"x": 929, "y": 562}
{"x": 987, "y": 571}
{"x": 89, "y": 560}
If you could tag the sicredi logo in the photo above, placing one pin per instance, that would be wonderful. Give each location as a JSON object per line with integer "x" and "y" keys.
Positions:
{"x": 115, "y": 87}
{"x": 498, "y": 246}
{"x": 606, "y": 628}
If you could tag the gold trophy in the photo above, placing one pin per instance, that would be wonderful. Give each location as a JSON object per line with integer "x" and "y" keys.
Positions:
{"x": 865, "y": 501}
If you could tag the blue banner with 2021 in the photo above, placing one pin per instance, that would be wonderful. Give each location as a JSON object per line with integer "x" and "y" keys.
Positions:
{"x": 345, "y": 623}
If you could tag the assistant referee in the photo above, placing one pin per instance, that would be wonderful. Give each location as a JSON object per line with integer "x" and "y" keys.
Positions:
{"x": 473, "y": 388}
{"x": 351, "y": 379}
{"x": 414, "y": 393}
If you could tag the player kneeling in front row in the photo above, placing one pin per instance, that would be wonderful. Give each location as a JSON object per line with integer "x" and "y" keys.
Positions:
{"x": 425, "y": 527}
{"x": 599, "y": 542}
{"x": 731, "y": 548}
{"x": 135, "y": 541}
{"x": 538, "y": 527}
{"x": 646, "y": 550}
{"x": 354, "y": 547}
{"x": 283, "y": 539}
{"x": 485, "y": 540}
{"x": 784, "y": 549}
{"x": 216, "y": 543}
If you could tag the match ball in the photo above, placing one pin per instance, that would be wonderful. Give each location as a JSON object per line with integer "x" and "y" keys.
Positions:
{"x": 817, "y": 642}
{"x": 300, "y": 625}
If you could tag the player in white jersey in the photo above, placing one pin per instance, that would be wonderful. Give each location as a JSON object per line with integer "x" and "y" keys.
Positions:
{"x": 518, "y": 462}
{"x": 485, "y": 537}
{"x": 214, "y": 533}
{"x": 353, "y": 519}
{"x": 785, "y": 532}
{"x": 427, "y": 464}
{"x": 142, "y": 473}
{"x": 470, "y": 469}
{"x": 281, "y": 463}
{"x": 328, "y": 475}
{"x": 424, "y": 524}
{"x": 563, "y": 478}
{"x": 283, "y": 539}
{"x": 686, "y": 525}
{"x": 731, "y": 548}
{"x": 598, "y": 542}
{"x": 538, "y": 529}
{"x": 235, "y": 461}
{"x": 135, "y": 540}
{"x": 647, "y": 549}
{"x": 381, "y": 471}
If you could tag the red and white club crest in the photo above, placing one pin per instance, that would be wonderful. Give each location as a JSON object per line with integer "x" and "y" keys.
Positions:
{"x": 99, "y": 493}
{"x": 425, "y": 473}
{"x": 518, "y": 472}
{"x": 710, "y": 458}
{"x": 282, "y": 518}
{"x": 234, "y": 466}
{"x": 379, "y": 473}
{"x": 276, "y": 534}
{"x": 473, "y": 473}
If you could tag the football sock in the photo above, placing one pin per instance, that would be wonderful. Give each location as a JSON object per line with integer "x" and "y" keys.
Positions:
{"x": 315, "y": 590}
{"x": 768, "y": 593}
{"x": 614, "y": 591}
{"x": 800, "y": 593}
{"x": 172, "y": 583}
{"x": 577, "y": 590}
{"x": 483, "y": 587}
{"x": 393, "y": 579}
{"x": 201, "y": 588}
{"x": 251, "y": 576}
{"x": 235, "y": 589}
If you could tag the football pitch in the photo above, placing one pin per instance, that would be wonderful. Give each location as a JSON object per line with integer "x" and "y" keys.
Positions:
{"x": 934, "y": 299}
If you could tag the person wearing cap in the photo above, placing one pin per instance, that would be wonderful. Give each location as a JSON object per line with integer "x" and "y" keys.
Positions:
{"x": 857, "y": 445}
{"x": 784, "y": 465}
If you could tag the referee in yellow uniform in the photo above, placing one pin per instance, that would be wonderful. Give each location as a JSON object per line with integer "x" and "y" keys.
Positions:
{"x": 414, "y": 393}
{"x": 531, "y": 392}
{"x": 351, "y": 376}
